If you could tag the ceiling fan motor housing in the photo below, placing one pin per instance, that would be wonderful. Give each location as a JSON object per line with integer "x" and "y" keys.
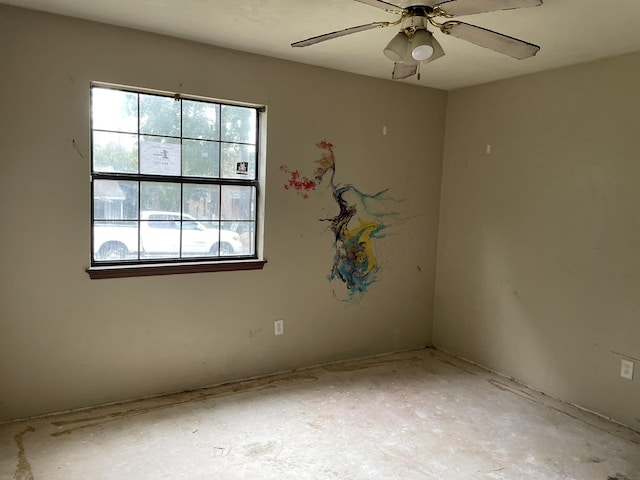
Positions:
{"x": 414, "y": 22}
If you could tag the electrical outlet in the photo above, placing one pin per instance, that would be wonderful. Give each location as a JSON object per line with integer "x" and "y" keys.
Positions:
{"x": 626, "y": 370}
{"x": 279, "y": 327}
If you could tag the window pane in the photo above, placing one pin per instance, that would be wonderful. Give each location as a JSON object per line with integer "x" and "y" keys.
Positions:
{"x": 160, "y": 196}
{"x": 115, "y": 200}
{"x": 238, "y": 161}
{"x": 197, "y": 239}
{"x": 160, "y": 156}
{"x": 115, "y": 152}
{"x": 114, "y": 110}
{"x": 200, "y": 120}
{"x": 160, "y": 234}
{"x": 238, "y": 202}
{"x": 230, "y": 243}
{"x": 246, "y": 232}
{"x": 239, "y": 124}
{"x": 159, "y": 115}
{"x": 200, "y": 159}
{"x": 202, "y": 201}
{"x": 114, "y": 241}
{"x": 225, "y": 242}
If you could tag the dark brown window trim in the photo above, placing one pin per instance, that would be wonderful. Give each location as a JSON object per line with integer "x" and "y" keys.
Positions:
{"x": 123, "y": 271}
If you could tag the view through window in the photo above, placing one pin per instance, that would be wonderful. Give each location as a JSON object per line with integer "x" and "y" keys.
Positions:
{"x": 174, "y": 179}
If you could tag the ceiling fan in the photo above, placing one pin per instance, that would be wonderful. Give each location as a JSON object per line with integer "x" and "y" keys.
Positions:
{"x": 415, "y": 43}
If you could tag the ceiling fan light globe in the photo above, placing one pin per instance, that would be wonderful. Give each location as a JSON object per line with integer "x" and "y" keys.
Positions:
{"x": 422, "y": 52}
{"x": 421, "y": 45}
{"x": 397, "y": 48}
{"x": 438, "y": 52}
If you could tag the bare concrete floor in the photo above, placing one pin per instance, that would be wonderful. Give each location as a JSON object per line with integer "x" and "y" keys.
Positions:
{"x": 413, "y": 415}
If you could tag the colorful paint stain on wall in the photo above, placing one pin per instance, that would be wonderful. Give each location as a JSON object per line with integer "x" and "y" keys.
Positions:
{"x": 356, "y": 227}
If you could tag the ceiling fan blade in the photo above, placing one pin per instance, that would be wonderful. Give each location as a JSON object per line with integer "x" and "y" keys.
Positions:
{"x": 457, "y": 8}
{"x": 489, "y": 39}
{"x": 339, "y": 33}
{"x": 401, "y": 70}
{"x": 389, "y": 7}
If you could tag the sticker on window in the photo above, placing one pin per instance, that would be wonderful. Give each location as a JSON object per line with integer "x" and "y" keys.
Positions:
{"x": 159, "y": 158}
{"x": 242, "y": 168}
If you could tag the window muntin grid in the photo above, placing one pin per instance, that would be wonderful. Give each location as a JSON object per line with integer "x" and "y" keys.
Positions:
{"x": 174, "y": 179}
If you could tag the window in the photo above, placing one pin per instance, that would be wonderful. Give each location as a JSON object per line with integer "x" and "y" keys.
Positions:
{"x": 174, "y": 183}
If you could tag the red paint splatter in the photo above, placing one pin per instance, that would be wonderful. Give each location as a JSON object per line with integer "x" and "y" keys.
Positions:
{"x": 300, "y": 184}
{"x": 325, "y": 145}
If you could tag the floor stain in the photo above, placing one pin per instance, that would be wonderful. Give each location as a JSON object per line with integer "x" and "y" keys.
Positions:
{"x": 179, "y": 399}
{"x": 220, "y": 451}
{"x": 260, "y": 449}
{"x": 23, "y": 469}
{"x": 364, "y": 364}
{"x": 523, "y": 394}
{"x": 508, "y": 388}
{"x": 459, "y": 367}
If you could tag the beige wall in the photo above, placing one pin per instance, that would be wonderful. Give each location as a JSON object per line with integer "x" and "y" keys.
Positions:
{"x": 538, "y": 265}
{"x": 539, "y": 249}
{"x": 67, "y": 341}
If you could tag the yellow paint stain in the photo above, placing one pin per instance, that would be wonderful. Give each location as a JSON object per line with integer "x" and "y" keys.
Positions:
{"x": 359, "y": 243}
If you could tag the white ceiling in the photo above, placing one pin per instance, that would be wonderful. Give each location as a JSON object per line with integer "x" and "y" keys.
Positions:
{"x": 568, "y": 31}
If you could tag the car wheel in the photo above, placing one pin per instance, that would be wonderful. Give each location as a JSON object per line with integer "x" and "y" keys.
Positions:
{"x": 112, "y": 251}
{"x": 225, "y": 249}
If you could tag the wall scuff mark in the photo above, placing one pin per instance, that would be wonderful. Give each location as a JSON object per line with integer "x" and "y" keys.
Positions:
{"x": 75, "y": 146}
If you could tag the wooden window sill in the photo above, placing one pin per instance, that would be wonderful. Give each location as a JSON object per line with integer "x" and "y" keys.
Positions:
{"x": 123, "y": 271}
